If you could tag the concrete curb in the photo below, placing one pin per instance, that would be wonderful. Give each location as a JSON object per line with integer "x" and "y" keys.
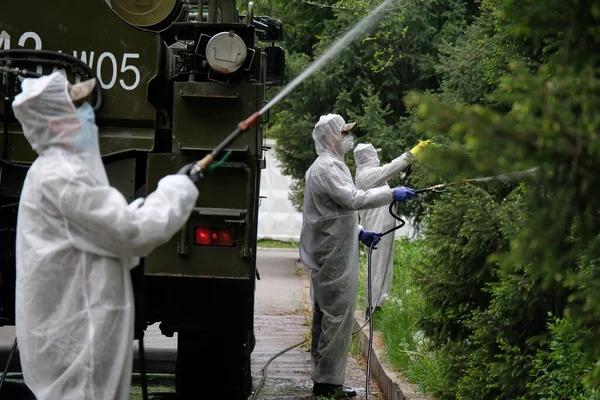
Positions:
{"x": 277, "y": 249}
{"x": 393, "y": 386}
{"x": 158, "y": 361}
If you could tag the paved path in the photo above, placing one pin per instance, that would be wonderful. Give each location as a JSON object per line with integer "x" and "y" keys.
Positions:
{"x": 283, "y": 305}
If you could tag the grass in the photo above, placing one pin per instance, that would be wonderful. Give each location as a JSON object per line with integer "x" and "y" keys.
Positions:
{"x": 355, "y": 349}
{"x": 277, "y": 244}
{"x": 406, "y": 347}
{"x": 158, "y": 384}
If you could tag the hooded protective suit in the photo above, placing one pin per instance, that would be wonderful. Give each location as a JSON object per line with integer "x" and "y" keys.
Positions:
{"x": 77, "y": 239}
{"x": 329, "y": 249}
{"x": 369, "y": 175}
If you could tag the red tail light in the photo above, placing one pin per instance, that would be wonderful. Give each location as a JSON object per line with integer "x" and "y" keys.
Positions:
{"x": 224, "y": 237}
{"x": 203, "y": 236}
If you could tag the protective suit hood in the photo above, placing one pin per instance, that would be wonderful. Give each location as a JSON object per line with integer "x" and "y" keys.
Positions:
{"x": 46, "y": 112}
{"x": 365, "y": 155}
{"x": 49, "y": 119}
{"x": 327, "y": 135}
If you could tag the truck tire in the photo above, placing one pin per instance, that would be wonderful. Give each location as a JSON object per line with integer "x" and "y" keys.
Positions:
{"x": 214, "y": 365}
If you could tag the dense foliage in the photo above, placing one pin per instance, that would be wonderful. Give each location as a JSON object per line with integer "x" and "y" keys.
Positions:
{"x": 542, "y": 113}
{"x": 367, "y": 81}
{"x": 510, "y": 278}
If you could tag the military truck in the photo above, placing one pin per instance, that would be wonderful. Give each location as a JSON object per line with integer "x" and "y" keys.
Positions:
{"x": 174, "y": 78}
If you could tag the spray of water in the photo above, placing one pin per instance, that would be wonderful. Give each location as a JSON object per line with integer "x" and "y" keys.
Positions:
{"x": 506, "y": 177}
{"x": 503, "y": 177}
{"x": 338, "y": 46}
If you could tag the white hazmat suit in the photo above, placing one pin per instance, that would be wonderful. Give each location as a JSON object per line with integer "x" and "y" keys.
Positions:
{"x": 329, "y": 249}
{"x": 369, "y": 175}
{"x": 77, "y": 239}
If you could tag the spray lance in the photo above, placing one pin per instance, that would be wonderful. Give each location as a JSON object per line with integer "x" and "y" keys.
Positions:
{"x": 201, "y": 166}
{"x": 502, "y": 177}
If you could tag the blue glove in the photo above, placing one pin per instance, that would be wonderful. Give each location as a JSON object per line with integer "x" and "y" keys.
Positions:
{"x": 369, "y": 238}
{"x": 403, "y": 193}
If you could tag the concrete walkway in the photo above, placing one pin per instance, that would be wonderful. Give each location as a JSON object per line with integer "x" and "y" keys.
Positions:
{"x": 282, "y": 319}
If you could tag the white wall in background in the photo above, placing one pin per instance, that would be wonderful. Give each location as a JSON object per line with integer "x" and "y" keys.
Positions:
{"x": 277, "y": 217}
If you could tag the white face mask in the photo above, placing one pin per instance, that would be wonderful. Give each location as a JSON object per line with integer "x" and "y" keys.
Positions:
{"x": 347, "y": 144}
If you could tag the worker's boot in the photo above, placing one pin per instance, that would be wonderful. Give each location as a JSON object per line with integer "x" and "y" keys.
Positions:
{"x": 335, "y": 391}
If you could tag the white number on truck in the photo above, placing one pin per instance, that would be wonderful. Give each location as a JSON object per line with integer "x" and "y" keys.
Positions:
{"x": 106, "y": 66}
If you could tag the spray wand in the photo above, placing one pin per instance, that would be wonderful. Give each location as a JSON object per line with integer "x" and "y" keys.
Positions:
{"x": 439, "y": 188}
{"x": 205, "y": 163}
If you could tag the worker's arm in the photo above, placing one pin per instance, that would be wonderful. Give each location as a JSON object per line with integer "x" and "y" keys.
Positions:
{"x": 99, "y": 220}
{"x": 378, "y": 176}
{"x": 341, "y": 189}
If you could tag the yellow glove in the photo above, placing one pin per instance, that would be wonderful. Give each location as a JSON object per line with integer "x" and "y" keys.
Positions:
{"x": 415, "y": 150}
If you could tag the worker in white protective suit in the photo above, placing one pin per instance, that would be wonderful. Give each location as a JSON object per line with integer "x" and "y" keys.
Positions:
{"x": 370, "y": 174}
{"x": 329, "y": 249}
{"x": 77, "y": 239}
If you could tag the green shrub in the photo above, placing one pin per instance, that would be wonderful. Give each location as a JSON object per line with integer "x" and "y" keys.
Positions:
{"x": 462, "y": 230}
{"x": 406, "y": 346}
{"x": 558, "y": 369}
{"x": 488, "y": 310}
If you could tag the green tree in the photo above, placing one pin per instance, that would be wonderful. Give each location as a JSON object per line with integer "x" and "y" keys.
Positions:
{"x": 539, "y": 111}
{"x": 504, "y": 85}
{"x": 365, "y": 83}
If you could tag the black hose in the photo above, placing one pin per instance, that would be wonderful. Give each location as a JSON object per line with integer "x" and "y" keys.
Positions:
{"x": 47, "y": 56}
{"x": 5, "y": 124}
{"x": 397, "y": 218}
{"x": 370, "y": 320}
{"x": 143, "y": 367}
{"x": 370, "y": 307}
{"x": 13, "y": 164}
{"x": 10, "y": 356}
{"x": 402, "y": 223}
{"x": 264, "y": 370}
